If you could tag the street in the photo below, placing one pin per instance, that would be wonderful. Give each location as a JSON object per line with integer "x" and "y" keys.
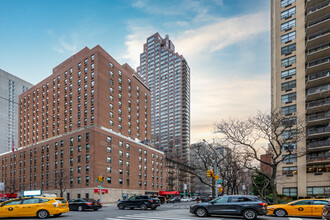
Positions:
{"x": 164, "y": 212}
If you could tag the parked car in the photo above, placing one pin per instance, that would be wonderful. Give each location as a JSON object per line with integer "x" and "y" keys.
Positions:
{"x": 162, "y": 199}
{"x": 174, "y": 200}
{"x": 326, "y": 212}
{"x": 142, "y": 202}
{"x": 186, "y": 199}
{"x": 247, "y": 206}
{"x": 193, "y": 198}
{"x": 302, "y": 207}
{"x": 83, "y": 204}
{"x": 41, "y": 207}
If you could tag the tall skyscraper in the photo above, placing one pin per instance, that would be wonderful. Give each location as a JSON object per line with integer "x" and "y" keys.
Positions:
{"x": 168, "y": 76}
{"x": 10, "y": 88}
{"x": 300, "y": 77}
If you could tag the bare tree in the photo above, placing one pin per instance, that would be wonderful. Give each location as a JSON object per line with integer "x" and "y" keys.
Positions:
{"x": 230, "y": 170}
{"x": 61, "y": 181}
{"x": 11, "y": 187}
{"x": 280, "y": 132}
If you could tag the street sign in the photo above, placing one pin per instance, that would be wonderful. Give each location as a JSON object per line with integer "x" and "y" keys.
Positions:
{"x": 219, "y": 181}
{"x": 218, "y": 185}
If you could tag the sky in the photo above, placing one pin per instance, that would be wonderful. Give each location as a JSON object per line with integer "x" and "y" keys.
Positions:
{"x": 225, "y": 42}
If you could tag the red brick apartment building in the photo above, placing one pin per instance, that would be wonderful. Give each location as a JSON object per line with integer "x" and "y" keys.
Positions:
{"x": 89, "y": 118}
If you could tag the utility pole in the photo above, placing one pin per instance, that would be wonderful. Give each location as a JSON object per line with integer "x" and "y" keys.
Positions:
{"x": 215, "y": 169}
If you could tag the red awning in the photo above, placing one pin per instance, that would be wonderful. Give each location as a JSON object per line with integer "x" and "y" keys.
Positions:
{"x": 8, "y": 195}
{"x": 169, "y": 193}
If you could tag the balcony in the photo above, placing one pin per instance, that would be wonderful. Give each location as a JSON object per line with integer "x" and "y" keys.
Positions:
{"x": 312, "y": 3}
{"x": 318, "y": 38}
{"x": 318, "y": 92}
{"x": 318, "y": 105}
{"x": 318, "y": 118}
{"x": 318, "y": 79}
{"x": 319, "y": 145}
{"x": 318, "y": 132}
{"x": 318, "y": 159}
{"x": 318, "y": 24}
{"x": 318, "y": 65}
{"x": 318, "y": 52}
{"x": 317, "y": 10}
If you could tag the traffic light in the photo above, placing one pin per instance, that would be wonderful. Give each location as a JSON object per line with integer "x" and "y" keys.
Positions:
{"x": 216, "y": 177}
{"x": 209, "y": 173}
{"x": 100, "y": 179}
{"x": 220, "y": 189}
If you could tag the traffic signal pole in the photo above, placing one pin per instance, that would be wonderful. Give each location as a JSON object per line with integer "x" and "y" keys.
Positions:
{"x": 215, "y": 169}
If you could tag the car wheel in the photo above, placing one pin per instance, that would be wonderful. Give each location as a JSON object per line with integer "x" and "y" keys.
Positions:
{"x": 96, "y": 209}
{"x": 80, "y": 209}
{"x": 280, "y": 213}
{"x": 56, "y": 215}
{"x": 143, "y": 207}
{"x": 153, "y": 208}
{"x": 250, "y": 214}
{"x": 121, "y": 206}
{"x": 43, "y": 214}
{"x": 201, "y": 212}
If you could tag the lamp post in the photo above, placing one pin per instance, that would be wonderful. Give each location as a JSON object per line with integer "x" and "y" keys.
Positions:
{"x": 215, "y": 167}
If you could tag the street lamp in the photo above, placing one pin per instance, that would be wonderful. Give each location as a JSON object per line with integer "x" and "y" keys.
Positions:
{"x": 214, "y": 167}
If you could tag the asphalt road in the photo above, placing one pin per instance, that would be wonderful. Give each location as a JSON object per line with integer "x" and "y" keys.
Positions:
{"x": 177, "y": 211}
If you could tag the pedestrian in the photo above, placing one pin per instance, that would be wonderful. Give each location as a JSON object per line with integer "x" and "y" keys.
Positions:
{"x": 197, "y": 199}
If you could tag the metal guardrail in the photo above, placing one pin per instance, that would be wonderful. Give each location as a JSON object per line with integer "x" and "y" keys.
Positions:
{"x": 318, "y": 89}
{"x": 318, "y": 116}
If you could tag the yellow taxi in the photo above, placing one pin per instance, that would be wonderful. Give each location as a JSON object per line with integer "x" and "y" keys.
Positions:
{"x": 42, "y": 207}
{"x": 303, "y": 207}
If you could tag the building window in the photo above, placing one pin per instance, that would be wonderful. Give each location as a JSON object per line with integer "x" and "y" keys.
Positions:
{"x": 319, "y": 168}
{"x": 288, "y": 97}
{"x": 288, "y": 37}
{"x": 109, "y": 139}
{"x": 289, "y": 170}
{"x": 289, "y": 158}
{"x": 288, "y": 85}
{"x": 108, "y": 169}
{"x": 291, "y": 191}
{"x": 109, "y": 159}
{"x": 109, "y": 149}
{"x": 289, "y": 109}
{"x": 288, "y": 25}
{"x": 288, "y": 13}
{"x": 288, "y": 61}
{"x": 318, "y": 191}
{"x": 79, "y": 180}
{"x": 285, "y": 3}
{"x": 109, "y": 180}
{"x": 120, "y": 181}
{"x": 288, "y": 73}
{"x": 120, "y": 162}
{"x": 288, "y": 49}
{"x": 289, "y": 146}
{"x": 87, "y": 168}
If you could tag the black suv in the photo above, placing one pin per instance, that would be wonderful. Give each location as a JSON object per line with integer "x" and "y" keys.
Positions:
{"x": 142, "y": 202}
{"x": 247, "y": 206}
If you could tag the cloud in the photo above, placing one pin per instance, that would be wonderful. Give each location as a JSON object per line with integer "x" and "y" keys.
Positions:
{"x": 219, "y": 98}
{"x": 219, "y": 88}
{"x": 222, "y": 33}
{"x": 134, "y": 43}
